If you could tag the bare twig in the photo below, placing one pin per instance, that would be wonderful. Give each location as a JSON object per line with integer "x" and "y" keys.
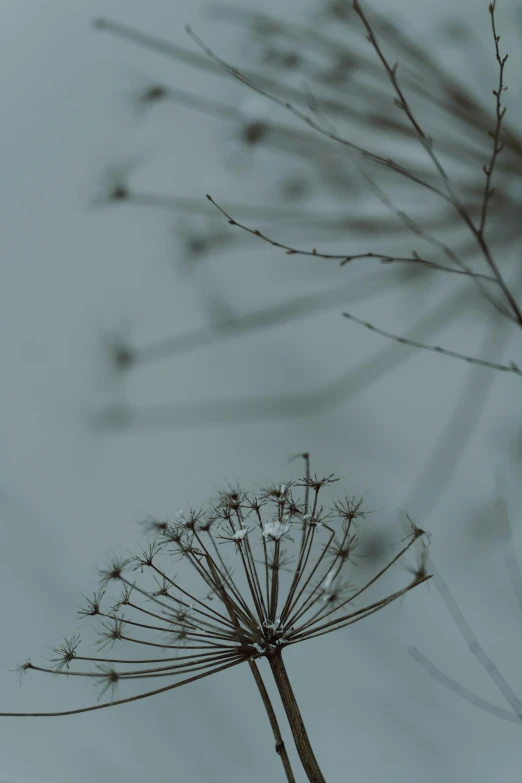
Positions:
{"x": 495, "y": 135}
{"x": 343, "y": 257}
{"x": 511, "y": 368}
{"x": 427, "y": 144}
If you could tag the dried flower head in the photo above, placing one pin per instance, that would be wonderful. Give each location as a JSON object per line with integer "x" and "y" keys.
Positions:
{"x": 66, "y": 653}
{"x": 273, "y": 573}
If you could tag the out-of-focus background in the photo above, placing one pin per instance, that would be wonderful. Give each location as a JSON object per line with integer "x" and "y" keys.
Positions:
{"x": 108, "y": 243}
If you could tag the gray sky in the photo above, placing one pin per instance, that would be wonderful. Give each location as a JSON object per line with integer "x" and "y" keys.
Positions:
{"x": 76, "y": 270}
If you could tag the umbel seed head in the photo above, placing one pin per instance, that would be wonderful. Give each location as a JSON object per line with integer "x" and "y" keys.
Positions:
{"x": 275, "y": 568}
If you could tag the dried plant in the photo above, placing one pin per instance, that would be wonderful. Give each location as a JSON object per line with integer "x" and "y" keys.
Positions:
{"x": 459, "y": 199}
{"x": 444, "y": 188}
{"x": 287, "y": 578}
{"x": 513, "y": 715}
{"x": 456, "y": 189}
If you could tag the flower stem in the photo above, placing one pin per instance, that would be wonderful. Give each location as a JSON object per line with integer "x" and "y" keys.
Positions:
{"x": 280, "y": 745}
{"x": 295, "y": 719}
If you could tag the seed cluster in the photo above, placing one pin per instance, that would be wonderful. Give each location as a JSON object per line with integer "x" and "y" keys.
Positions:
{"x": 273, "y": 567}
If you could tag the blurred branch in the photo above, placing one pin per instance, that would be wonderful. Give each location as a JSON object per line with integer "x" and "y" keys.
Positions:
{"x": 367, "y": 154}
{"x": 326, "y": 397}
{"x": 261, "y": 318}
{"x": 475, "y": 648}
{"x": 460, "y": 690}
{"x": 441, "y": 464}
{"x": 510, "y": 560}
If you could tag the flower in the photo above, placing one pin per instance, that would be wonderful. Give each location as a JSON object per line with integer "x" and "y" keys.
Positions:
{"x": 250, "y": 606}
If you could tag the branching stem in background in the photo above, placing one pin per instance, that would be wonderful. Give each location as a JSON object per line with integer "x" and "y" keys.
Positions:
{"x": 427, "y": 143}
{"x": 495, "y": 135}
{"x": 511, "y": 368}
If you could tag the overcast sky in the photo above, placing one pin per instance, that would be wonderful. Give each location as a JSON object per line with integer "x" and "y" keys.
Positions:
{"x": 76, "y": 271}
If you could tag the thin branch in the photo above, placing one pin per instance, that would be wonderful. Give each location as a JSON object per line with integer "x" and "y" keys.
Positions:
{"x": 476, "y": 649}
{"x": 260, "y": 318}
{"x": 326, "y": 397}
{"x": 343, "y": 257}
{"x": 308, "y": 119}
{"x": 460, "y": 690}
{"x": 402, "y": 103}
{"x": 427, "y": 144}
{"x": 510, "y": 368}
{"x": 436, "y": 242}
{"x": 500, "y": 112}
{"x": 440, "y": 467}
{"x": 199, "y": 206}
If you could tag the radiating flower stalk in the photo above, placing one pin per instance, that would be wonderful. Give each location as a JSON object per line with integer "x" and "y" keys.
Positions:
{"x": 276, "y": 568}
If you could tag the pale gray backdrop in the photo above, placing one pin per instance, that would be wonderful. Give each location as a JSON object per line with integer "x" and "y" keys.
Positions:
{"x": 75, "y": 270}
